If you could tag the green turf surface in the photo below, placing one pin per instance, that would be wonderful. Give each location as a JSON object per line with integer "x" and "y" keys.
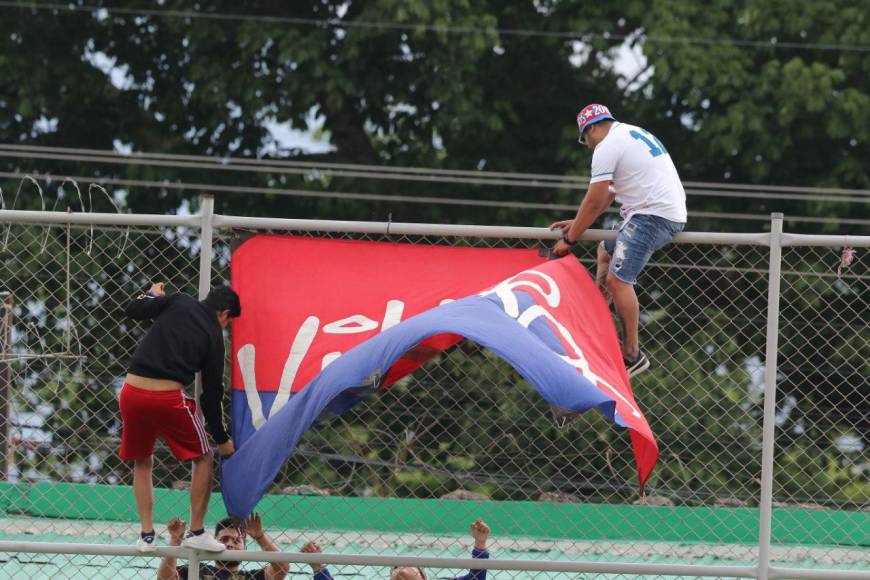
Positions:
{"x": 53, "y": 512}
{"x": 525, "y": 519}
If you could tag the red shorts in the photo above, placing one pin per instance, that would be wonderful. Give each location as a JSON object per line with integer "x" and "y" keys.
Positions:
{"x": 147, "y": 415}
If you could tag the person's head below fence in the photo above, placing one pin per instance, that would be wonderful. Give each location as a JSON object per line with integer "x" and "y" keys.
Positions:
{"x": 225, "y": 302}
{"x": 479, "y": 532}
{"x": 233, "y": 533}
{"x": 407, "y": 573}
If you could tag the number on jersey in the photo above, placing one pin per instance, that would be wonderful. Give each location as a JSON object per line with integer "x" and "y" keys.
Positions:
{"x": 655, "y": 146}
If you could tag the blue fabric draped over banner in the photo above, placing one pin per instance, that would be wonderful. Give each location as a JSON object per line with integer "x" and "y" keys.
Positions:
{"x": 535, "y": 350}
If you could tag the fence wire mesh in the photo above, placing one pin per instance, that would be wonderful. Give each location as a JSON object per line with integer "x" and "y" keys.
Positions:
{"x": 43, "y": 566}
{"x": 823, "y": 406}
{"x": 465, "y": 426}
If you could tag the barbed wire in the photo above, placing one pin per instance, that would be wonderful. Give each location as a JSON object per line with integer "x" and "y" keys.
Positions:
{"x": 427, "y": 200}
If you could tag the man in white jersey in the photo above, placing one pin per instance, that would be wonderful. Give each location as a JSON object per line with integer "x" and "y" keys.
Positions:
{"x": 632, "y": 166}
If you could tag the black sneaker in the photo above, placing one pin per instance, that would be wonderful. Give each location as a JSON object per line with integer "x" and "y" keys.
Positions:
{"x": 638, "y": 365}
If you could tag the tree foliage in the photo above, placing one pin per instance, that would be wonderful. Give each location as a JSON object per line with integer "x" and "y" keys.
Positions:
{"x": 447, "y": 84}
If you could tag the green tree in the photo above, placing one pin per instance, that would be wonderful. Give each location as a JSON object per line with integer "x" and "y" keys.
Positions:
{"x": 775, "y": 114}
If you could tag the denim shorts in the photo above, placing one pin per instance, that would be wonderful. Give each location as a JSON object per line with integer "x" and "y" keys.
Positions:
{"x": 638, "y": 238}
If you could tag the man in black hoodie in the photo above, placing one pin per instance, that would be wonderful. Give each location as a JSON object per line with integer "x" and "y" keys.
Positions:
{"x": 185, "y": 338}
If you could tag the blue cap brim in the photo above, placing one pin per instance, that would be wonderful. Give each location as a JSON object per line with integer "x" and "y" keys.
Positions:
{"x": 594, "y": 120}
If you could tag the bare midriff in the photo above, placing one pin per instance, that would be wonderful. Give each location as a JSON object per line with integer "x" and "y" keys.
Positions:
{"x": 150, "y": 384}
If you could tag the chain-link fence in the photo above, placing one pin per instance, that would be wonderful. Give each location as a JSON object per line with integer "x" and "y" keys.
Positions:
{"x": 406, "y": 472}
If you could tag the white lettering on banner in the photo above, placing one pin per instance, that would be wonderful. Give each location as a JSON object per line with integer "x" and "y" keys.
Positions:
{"x": 247, "y": 365}
{"x": 302, "y": 342}
{"x": 393, "y": 314}
{"x": 511, "y": 307}
{"x": 351, "y": 325}
{"x": 328, "y": 358}
{"x": 504, "y": 290}
{"x": 298, "y": 350}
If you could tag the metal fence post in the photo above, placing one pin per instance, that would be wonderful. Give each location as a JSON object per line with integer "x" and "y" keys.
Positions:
{"x": 193, "y": 566}
{"x": 205, "y": 250}
{"x": 769, "y": 425}
{"x": 205, "y": 256}
{"x": 5, "y": 381}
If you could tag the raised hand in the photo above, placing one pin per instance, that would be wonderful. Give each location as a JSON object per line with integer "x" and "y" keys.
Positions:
{"x": 158, "y": 289}
{"x": 255, "y": 526}
{"x": 480, "y": 533}
{"x": 226, "y": 449}
{"x": 176, "y": 528}
{"x": 312, "y": 548}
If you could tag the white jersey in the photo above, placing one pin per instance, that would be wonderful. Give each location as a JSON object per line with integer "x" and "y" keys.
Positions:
{"x": 641, "y": 173}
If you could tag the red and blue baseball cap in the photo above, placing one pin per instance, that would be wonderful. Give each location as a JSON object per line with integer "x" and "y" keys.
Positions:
{"x": 591, "y": 114}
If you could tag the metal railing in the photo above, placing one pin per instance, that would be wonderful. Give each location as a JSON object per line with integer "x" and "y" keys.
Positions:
{"x": 759, "y": 400}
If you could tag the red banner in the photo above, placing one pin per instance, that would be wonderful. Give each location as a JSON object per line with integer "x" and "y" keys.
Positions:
{"x": 307, "y": 300}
